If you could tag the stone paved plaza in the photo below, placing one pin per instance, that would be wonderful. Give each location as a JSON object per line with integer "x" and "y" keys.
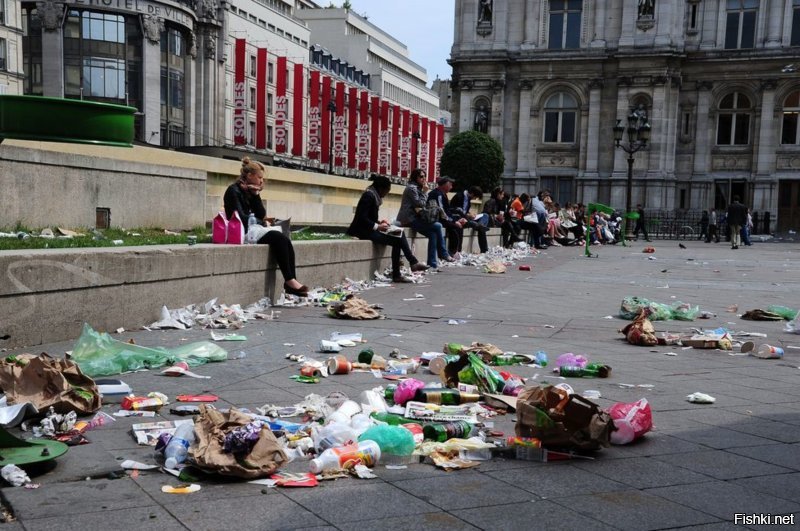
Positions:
{"x": 698, "y": 468}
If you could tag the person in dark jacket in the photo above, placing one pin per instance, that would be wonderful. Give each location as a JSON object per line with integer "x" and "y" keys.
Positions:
{"x": 737, "y": 217}
{"x": 366, "y": 225}
{"x": 242, "y": 197}
{"x": 704, "y": 226}
{"x": 459, "y": 206}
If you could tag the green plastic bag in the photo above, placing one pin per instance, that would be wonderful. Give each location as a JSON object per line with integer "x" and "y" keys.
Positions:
{"x": 630, "y": 307}
{"x": 98, "y": 354}
{"x": 659, "y": 312}
{"x": 394, "y": 440}
{"x": 684, "y": 311}
{"x": 784, "y": 311}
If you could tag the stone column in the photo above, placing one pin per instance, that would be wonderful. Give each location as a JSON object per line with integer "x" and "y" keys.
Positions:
{"x": 629, "y": 14}
{"x": 767, "y": 131}
{"x": 51, "y": 14}
{"x": 709, "y": 22}
{"x": 704, "y": 130}
{"x": 151, "y": 76}
{"x": 599, "y": 38}
{"x": 531, "y": 25}
{"x": 593, "y": 129}
{"x": 665, "y": 12}
{"x": 774, "y": 23}
{"x": 496, "y": 116}
{"x": 464, "y": 107}
{"x": 524, "y": 128}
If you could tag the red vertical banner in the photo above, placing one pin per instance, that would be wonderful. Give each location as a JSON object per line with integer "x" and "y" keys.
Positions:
{"x": 314, "y": 117}
{"x": 352, "y": 127}
{"x": 395, "y": 141}
{"x": 375, "y": 134}
{"x": 439, "y": 148}
{"x": 298, "y": 119}
{"x": 432, "y": 151}
{"x": 261, "y": 98}
{"x": 326, "y": 119}
{"x": 385, "y": 139}
{"x": 363, "y": 138}
{"x": 339, "y": 138}
{"x": 415, "y": 141}
{"x": 423, "y": 146}
{"x": 405, "y": 144}
{"x": 281, "y": 107}
{"x": 240, "y": 94}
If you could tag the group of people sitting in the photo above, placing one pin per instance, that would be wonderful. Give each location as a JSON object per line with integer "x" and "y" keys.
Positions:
{"x": 428, "y": 212}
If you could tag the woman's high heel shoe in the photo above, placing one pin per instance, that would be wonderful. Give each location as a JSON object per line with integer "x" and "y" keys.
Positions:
{"x": 302, "y": 291}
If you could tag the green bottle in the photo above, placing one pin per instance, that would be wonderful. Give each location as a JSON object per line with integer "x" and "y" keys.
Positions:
{"x": 388, "y": 393}
{"x": 365, "y": 356}
{"x": 503, "y": 359}
{"x": 445, "y": 397}
{"x": 459, "y": 429}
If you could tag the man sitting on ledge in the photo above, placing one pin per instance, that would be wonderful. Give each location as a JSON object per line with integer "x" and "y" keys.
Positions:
{"x": 367, "y": 226}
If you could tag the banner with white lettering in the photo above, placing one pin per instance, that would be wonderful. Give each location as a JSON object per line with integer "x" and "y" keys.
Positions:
{"x": 405, "y": 143}
{"x": 375, "y": 132}
{"x": 439, "y": 148}
{"x": 326, "y": 119}
{"x": 432, "y": 154}
{"x": 314, "y": 117}
{"x": 395, "y": 141}
{"x": 298, "y": 98}
{"x": 363, "y": 136}
{"x": 415, "y": 136}
{"x": 339, "y": 132}
{"x": 352, "y": 126}
{"x": 385, "y": 139}
{"x": 261, "y": 98}
{"x": 239, "y": 94}
{"x": 424, "y": 149}
{"x": 281, "y": 108}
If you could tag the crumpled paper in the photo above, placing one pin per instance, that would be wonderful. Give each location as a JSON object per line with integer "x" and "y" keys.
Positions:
{"x": 14, "y": 475}
{"x": 354, "y": 307}
{"x": 701, "y": 398}
{"x": 212, "y": 315}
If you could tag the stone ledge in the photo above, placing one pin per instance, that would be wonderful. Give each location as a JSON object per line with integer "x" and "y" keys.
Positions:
{"x": 47, "y": 295}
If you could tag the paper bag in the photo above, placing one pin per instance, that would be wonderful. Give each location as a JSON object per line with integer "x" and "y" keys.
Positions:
{"x": 45, "y": 382}
{"x": 219, "y": 228}
{"x": 210, "y": 429}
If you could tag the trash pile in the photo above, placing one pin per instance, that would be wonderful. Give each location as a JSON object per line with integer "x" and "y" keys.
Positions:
{"x": 212, "y": 315}
{"x": 630, "y": 307}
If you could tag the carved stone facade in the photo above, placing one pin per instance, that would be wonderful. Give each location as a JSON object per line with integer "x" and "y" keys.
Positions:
{"x": 724, "y": 109}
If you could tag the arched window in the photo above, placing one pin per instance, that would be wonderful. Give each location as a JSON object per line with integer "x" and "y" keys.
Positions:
{"x": 791, "y": 112}
{"x": 733, "y": 121}
{"x": 560, "y": 113}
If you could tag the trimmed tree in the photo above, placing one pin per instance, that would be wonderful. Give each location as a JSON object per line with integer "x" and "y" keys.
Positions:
{"x": 473, "y": 159}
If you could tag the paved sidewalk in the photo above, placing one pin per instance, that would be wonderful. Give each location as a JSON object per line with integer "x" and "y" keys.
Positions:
{"x": 701, "y": 466}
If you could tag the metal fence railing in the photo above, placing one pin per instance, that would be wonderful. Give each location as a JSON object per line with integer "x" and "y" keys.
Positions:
{"x": 685, "y": 225}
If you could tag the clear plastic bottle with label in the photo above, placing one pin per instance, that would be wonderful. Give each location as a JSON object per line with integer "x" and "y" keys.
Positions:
{"x": 251, "y": 222}
{"x": 178, "y": 446}
{"x": 366, "y": 453}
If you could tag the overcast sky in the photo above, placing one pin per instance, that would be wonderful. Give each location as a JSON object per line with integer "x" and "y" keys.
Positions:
{"x": 425, "y": 26}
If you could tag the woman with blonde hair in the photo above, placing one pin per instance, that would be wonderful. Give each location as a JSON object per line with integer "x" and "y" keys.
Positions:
{"x": 243, "y": 197}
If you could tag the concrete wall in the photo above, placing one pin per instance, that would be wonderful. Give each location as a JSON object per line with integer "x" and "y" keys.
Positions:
{"x": 46, "y": 295}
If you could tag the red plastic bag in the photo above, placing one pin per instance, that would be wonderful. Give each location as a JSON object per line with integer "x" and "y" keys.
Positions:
{"x": 631, "y": 420}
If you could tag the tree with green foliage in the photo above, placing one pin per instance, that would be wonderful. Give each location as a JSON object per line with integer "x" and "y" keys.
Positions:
{"x": 473, "y": 159}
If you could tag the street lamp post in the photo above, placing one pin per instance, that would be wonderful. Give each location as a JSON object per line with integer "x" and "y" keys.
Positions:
{"x": 638, "y": 134}
{"x": 415, "y": 139}
{"x": 332, "y": 110}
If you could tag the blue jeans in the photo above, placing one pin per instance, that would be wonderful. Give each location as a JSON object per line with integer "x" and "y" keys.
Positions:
{"x": 432, "y": 231}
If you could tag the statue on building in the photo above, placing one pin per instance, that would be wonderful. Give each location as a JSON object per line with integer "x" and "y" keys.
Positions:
{"x": 209, "y": 9}
{"x": 51, "y": 14}
{"x": 211, "y": 47}
{"x": 647, "y": 8}
{"x": 485, "y": 11}
{"x": 481, "y": 121}
{"x": 152, "y": 26}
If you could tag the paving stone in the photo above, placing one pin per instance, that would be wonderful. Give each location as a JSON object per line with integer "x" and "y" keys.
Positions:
{"x": 720, "y": 498}
{"x": 557, "y": 481}
{"x": 541, "y": 514}
{"x": 631, "y": 509}
{"x": 721, "y": 438}
{"x": 423, "y": 522}
{"x": 785, "y": 486}
{"x": 784, "y": 455}
{"x": 722, "y": 464}
{"x": 642, "y": 472}
{"x": 466, "y": 489}
{"x": 136, "y": 519}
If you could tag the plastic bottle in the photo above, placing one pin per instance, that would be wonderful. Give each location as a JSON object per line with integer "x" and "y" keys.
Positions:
{"x": 251, "y": 222}
{"x": 541, "y": 358}
{"x": 364, "y": 453}
{"x": 333, "y": 435}
{"x": 178, "y": 446}
{"x": 459, "y": 429}
{"x": 344, "y": 413}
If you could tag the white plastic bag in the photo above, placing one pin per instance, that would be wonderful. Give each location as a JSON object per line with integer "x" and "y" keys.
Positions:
{"x": 793, "y": 326}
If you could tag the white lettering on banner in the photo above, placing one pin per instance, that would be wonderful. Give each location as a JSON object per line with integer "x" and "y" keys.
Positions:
{"x": 280, "y": 120}
{"x": 314, "y": 127}
{"x": 362, "y": 151}
{"x": 405, "y": 150}
{"x": 438, "y": 160}
{"x": 423, "y": 156}
{"x": 338, "y": 136}
{"x": 239, "y": 111}
{"x": 181, "y": 16}
{"x": 383, "y": 150}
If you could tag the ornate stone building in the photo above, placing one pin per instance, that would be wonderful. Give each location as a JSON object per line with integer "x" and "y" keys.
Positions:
{"x": 549, "y": 78}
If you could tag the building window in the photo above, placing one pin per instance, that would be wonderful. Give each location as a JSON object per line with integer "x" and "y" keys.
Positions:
{"x": 560, "y": 113}
{"x": 269, "y": 137}
{"x": 269, "y": 73}
{"x": 269, "y": 103}
{"x": 252, "y": 66}
{"x": 253, "y": 97}
{"x": 562, "y": 189}
{"x": 565, "y": 24}
{"x": 3, "y": 63}
{"x": 791, "y": 112}
{"x": 693, "y": 9}
{"x": 31, "y": 52}
{"x": 251, "y": 139}
{"x": 733, "y": 121}
{"x": 686, "y": 124}
{"x": 173, "y": 86}
{"x": 3, "y": 11}
{"x": 795, "y": 23}
{"x": 740, "y": 27}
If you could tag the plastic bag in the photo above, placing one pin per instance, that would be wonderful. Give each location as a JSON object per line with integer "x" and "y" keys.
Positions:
{"x": 631, "y": 420}
{"x": 631, "y": 305}
{"x": 793, "y": 326}
{"x": 787, "y": 313}
{"x": 98, "y": 354}
{"x": 660, "y": 312}
{"x": 406, "y": 390}
{"x": 683, "y": 311}
{"x": 571, "y": 360}
{"x": 394, "y": 440}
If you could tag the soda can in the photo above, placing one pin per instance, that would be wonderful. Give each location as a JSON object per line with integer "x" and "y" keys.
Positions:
{"x": 338, "y": 365}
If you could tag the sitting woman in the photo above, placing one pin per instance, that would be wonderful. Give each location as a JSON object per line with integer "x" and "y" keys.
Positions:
{"x": 367, "y": 225}
{"x": 412, "y": 205}
{"x": 242, "y": 197}
{"x": 495, "y": 208}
